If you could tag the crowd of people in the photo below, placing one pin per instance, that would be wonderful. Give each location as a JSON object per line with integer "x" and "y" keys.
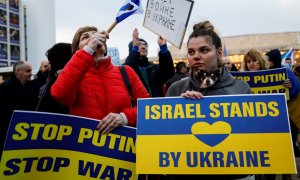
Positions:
{"x": 80, "y": 79}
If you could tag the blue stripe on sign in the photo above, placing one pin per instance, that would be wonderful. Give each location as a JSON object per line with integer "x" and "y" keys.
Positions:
{"x": 113, "y": 145}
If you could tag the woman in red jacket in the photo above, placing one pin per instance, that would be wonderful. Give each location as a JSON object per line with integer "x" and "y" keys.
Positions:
{"x": 93, "y": 87}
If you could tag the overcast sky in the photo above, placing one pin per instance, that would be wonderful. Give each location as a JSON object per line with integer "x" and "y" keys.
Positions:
{"x": 230, "y": 18}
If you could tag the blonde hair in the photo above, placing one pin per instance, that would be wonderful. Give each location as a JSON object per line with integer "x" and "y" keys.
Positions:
{"x": 79, "y": 32}
{"x": 254, "y": 54}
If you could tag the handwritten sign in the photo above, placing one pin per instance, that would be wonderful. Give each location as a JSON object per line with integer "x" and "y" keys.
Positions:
{"x": 168, "y": 18}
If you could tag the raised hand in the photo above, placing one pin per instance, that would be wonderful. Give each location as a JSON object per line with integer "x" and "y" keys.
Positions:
{"x": 161, "y": 41}
{"x": 135, "y": 37}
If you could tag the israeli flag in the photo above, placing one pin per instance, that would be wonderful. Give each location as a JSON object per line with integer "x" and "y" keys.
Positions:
{"x": 288, "y": 54}
{"x": 130, "y": 7}
{"x": 225, "y": 51}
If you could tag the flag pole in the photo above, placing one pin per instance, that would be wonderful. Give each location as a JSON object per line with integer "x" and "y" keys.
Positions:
{"x": 129, "y": 7}
{"x": 112, "y": 27}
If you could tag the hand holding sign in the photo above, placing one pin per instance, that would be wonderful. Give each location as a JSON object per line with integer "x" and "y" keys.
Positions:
{"x": 192, "y": 95}
{"x": 161, "y": 41}
{"x": 110, "y": 122}
{"x": 287, "y": 83}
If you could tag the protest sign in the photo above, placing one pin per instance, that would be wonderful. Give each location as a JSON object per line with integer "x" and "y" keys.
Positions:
{"x": 265, "y": 81}
{"x": 240, "y": 134}
{"x": 114, "y": 54}
{"x": 168, "y": 18}
{"x": 52, "y": 146}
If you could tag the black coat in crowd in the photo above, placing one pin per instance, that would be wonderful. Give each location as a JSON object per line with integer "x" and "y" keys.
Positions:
{"x": 154, "y": 75}
{"x": 47, "y": 103}
{"x": 178, "y": 76}
{"x": 38, "y": 82}
{"x": 14, "y": 96}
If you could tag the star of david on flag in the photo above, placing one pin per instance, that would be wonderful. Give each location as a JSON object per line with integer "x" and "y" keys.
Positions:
{"x": 288, "y": 54}
{"x": 130, "y": 7}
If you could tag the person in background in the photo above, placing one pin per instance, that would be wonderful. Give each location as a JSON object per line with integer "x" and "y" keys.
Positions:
{"x": 228, "y": 64}
{"x": 274, "y": 59}
{"x": 292, "y": 83}
{"x": 254, "y": 61}
{"x": 41, "y": 76}
{"x": 153, "y": 76}
{"x": 45, "y": 66}
{"x": 204, "y": 50}
{"x": 58, "y": 55}
{"x": 16, "y": 93}
{"x": 296, "y": 70}
{"x": 181, "y": 72}
{"x": 93, "y": 87}
{"x": 288, "y": 62}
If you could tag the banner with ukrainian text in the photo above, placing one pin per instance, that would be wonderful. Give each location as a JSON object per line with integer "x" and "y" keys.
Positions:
{"x": 53, "y": 146}
{"x": 265, "y": 81}
{"x": 240, "y": 134}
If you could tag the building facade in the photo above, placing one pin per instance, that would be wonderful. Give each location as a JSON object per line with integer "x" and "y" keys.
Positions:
{"x": 27, "y": 31}
{"x": 9, "y": 32}
{"x": 238, "y": 46}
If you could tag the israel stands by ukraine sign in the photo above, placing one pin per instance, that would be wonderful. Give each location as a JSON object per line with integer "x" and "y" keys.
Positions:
{"x": 241, "y": 134}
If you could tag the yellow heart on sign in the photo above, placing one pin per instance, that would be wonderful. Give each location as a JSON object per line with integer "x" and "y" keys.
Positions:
{"x": 211, "y": 134}
{"x": 219, "y": 127}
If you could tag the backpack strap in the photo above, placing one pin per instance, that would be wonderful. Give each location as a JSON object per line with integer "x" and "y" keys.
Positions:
{"x": 127, "y": 84}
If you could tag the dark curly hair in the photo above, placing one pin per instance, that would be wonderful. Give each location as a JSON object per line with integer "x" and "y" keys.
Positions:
{"x": 58, "y": 56}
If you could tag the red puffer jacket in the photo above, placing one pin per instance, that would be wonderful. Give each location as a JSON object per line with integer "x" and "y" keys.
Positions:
{"x": 94, "y": 91}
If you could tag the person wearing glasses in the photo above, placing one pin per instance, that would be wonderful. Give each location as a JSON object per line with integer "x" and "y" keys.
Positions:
{"x": 153, "y": 76}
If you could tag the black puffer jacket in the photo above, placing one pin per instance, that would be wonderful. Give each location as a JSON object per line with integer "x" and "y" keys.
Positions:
{"x": 155, "y": 74}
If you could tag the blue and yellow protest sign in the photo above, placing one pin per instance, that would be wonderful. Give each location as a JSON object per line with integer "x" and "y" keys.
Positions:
{"x": 241, "y": 134}
{"x": 48, "y": 146}
{"x": 265, "y": 81}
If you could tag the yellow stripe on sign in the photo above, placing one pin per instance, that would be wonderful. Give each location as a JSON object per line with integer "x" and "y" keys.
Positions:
{"x": 237, "y": 154}
{"x": 271, "y": 90}
{"x": 62, "y": 164}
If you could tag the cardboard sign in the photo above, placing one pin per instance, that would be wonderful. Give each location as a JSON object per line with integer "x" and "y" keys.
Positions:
{"x": 52, "y": 146}
{"x": 241, "y": 134}
{"x": 265, "y": 81}
{"x": 168, "y": 18}
{"x": 114, "y": 54}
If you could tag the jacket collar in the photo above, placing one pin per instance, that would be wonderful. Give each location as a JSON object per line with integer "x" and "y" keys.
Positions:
{"x": 104, "y": 64}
